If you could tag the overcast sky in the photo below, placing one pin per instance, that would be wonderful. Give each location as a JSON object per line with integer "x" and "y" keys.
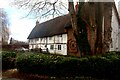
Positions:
{"x": 20, "y": 27}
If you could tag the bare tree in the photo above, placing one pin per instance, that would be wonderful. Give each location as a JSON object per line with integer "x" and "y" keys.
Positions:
{"x": 42, "y": 8}
{"x": 4, "y": 30}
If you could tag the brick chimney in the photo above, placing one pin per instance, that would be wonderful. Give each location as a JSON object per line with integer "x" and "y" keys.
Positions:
{"x": 76, "y": 7}
{"x": 37, "y": 22}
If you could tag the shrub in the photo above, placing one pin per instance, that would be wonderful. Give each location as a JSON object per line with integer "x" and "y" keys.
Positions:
{"x": 8, "y": 60}
{"x": 104, "y": 66}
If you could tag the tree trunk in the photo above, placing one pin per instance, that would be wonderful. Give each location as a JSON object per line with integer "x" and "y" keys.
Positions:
{"x": 107, "y": 26}
{"x": 73, "y": 17}
{"x": 99, "y": 18}
{"x": 80, "y": 30}
{"x": 98, "y": 40}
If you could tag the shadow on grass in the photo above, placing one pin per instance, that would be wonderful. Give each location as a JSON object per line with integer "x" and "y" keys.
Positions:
{"x": 14, "y": 74}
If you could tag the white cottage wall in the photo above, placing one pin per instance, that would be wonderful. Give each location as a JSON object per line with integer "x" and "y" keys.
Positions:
{"x": 56, "y": 44}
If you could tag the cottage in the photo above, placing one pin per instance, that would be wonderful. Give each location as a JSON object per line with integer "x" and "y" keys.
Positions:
{"x": 56, "y": 35}
{"x": 53, "y": 35}
{"x": 115, "y": 24}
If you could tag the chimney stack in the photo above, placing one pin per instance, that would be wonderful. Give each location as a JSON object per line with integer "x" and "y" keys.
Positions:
{"x": 37, "y": 22}
{"x": 76, "y": 6}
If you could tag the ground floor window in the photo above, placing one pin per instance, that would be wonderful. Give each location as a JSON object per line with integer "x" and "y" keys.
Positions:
{"x": 51, "y": 47}
{"x": 59, "y": 47}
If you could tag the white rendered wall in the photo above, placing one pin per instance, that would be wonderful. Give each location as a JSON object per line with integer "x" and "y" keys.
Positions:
{"x": 46, "y": 42}
{"x": 115, "y": 33}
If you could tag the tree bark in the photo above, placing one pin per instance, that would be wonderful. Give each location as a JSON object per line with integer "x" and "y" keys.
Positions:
{"x": 99, "y": 18}
{"x": 73, "y": 17}
{"x": 80, "y": 30}
{"x": 107, "y": 26}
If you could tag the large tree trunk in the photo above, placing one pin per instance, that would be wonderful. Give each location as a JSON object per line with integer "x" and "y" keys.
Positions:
{"x": 73, "y": 17}
{"x": 99, "y": 22}
{"x": 99, "y": 36}
{"x": 92, "y": 26}
{"x": 74, "y": 21}
{"x": 107, "y": 26}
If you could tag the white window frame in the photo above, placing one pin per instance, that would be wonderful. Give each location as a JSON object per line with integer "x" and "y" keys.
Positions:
{"x": 59, "y": 47}
{"x": 51, "y": 47}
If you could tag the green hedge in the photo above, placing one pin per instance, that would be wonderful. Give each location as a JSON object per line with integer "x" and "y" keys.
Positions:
{"x": 8, "y": 60}
{"x": 104, "y": 66}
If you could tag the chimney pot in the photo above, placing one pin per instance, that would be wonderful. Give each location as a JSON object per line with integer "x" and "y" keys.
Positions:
{"x": 37, "y": 22}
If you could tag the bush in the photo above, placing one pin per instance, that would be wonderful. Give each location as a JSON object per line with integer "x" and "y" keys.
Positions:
{"x": 103, "y": 66}
{"x": 8, "y": 60}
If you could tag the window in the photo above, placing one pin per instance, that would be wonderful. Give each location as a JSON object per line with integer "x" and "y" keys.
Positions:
{"x": 37, "y": 39}
{"x": 36, "y": 46}
{"x": 51, "y": 47}
{"x": 59, "y": 47}
{"x": 32, "y": 46}
{"x": 50, "y": 38}
{"x": 60, "y": 35}
{"x": 29, "y": 40}
{"x": 41, "y": 39}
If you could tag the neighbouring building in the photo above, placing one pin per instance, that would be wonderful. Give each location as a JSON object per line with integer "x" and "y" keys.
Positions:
{"x": 115, "y": 24}
{"x": 56, "y": 35}
{"x": 119, "y": 7}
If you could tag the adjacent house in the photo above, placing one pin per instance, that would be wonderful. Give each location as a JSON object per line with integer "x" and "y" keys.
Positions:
{"x": 56, "y": 35}
{"x": 115, "y": 24}
{"x": 119, "y": 7}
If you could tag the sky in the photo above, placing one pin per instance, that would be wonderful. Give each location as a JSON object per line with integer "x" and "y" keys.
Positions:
{"x": 20, "y": 27}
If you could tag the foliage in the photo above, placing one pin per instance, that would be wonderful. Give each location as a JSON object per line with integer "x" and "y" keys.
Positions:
{"x": 8, "y": 59}
{"x": 102, "y": 66}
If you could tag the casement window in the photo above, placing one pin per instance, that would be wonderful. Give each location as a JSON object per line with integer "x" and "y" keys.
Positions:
{"x": 50, "y": 38}
{"x": 60, "y": 35}
{"x": 37, "y": 39}
{"x": 41, "y": 39}
{"x": 36, "y": 46}
{"x": 32, "y": 46}
{"x": 51, "y": 47}
{"x": 59, "y": 47}
{"x": 29, "y": 41}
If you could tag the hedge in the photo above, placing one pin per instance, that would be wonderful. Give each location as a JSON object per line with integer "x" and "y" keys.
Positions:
{"x": 103, "y": 66}
{"x": 8, "y": 59}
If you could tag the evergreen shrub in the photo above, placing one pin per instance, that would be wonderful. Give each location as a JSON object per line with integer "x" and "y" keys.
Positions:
{"x": 101, "y": 66}
{"x": 8, "y": 59}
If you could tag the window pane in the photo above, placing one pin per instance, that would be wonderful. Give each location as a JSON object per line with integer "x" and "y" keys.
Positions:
{"x": 50, "y": 38}
{"x": 51, "y": 47}
{"x": 59, "y": 47}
